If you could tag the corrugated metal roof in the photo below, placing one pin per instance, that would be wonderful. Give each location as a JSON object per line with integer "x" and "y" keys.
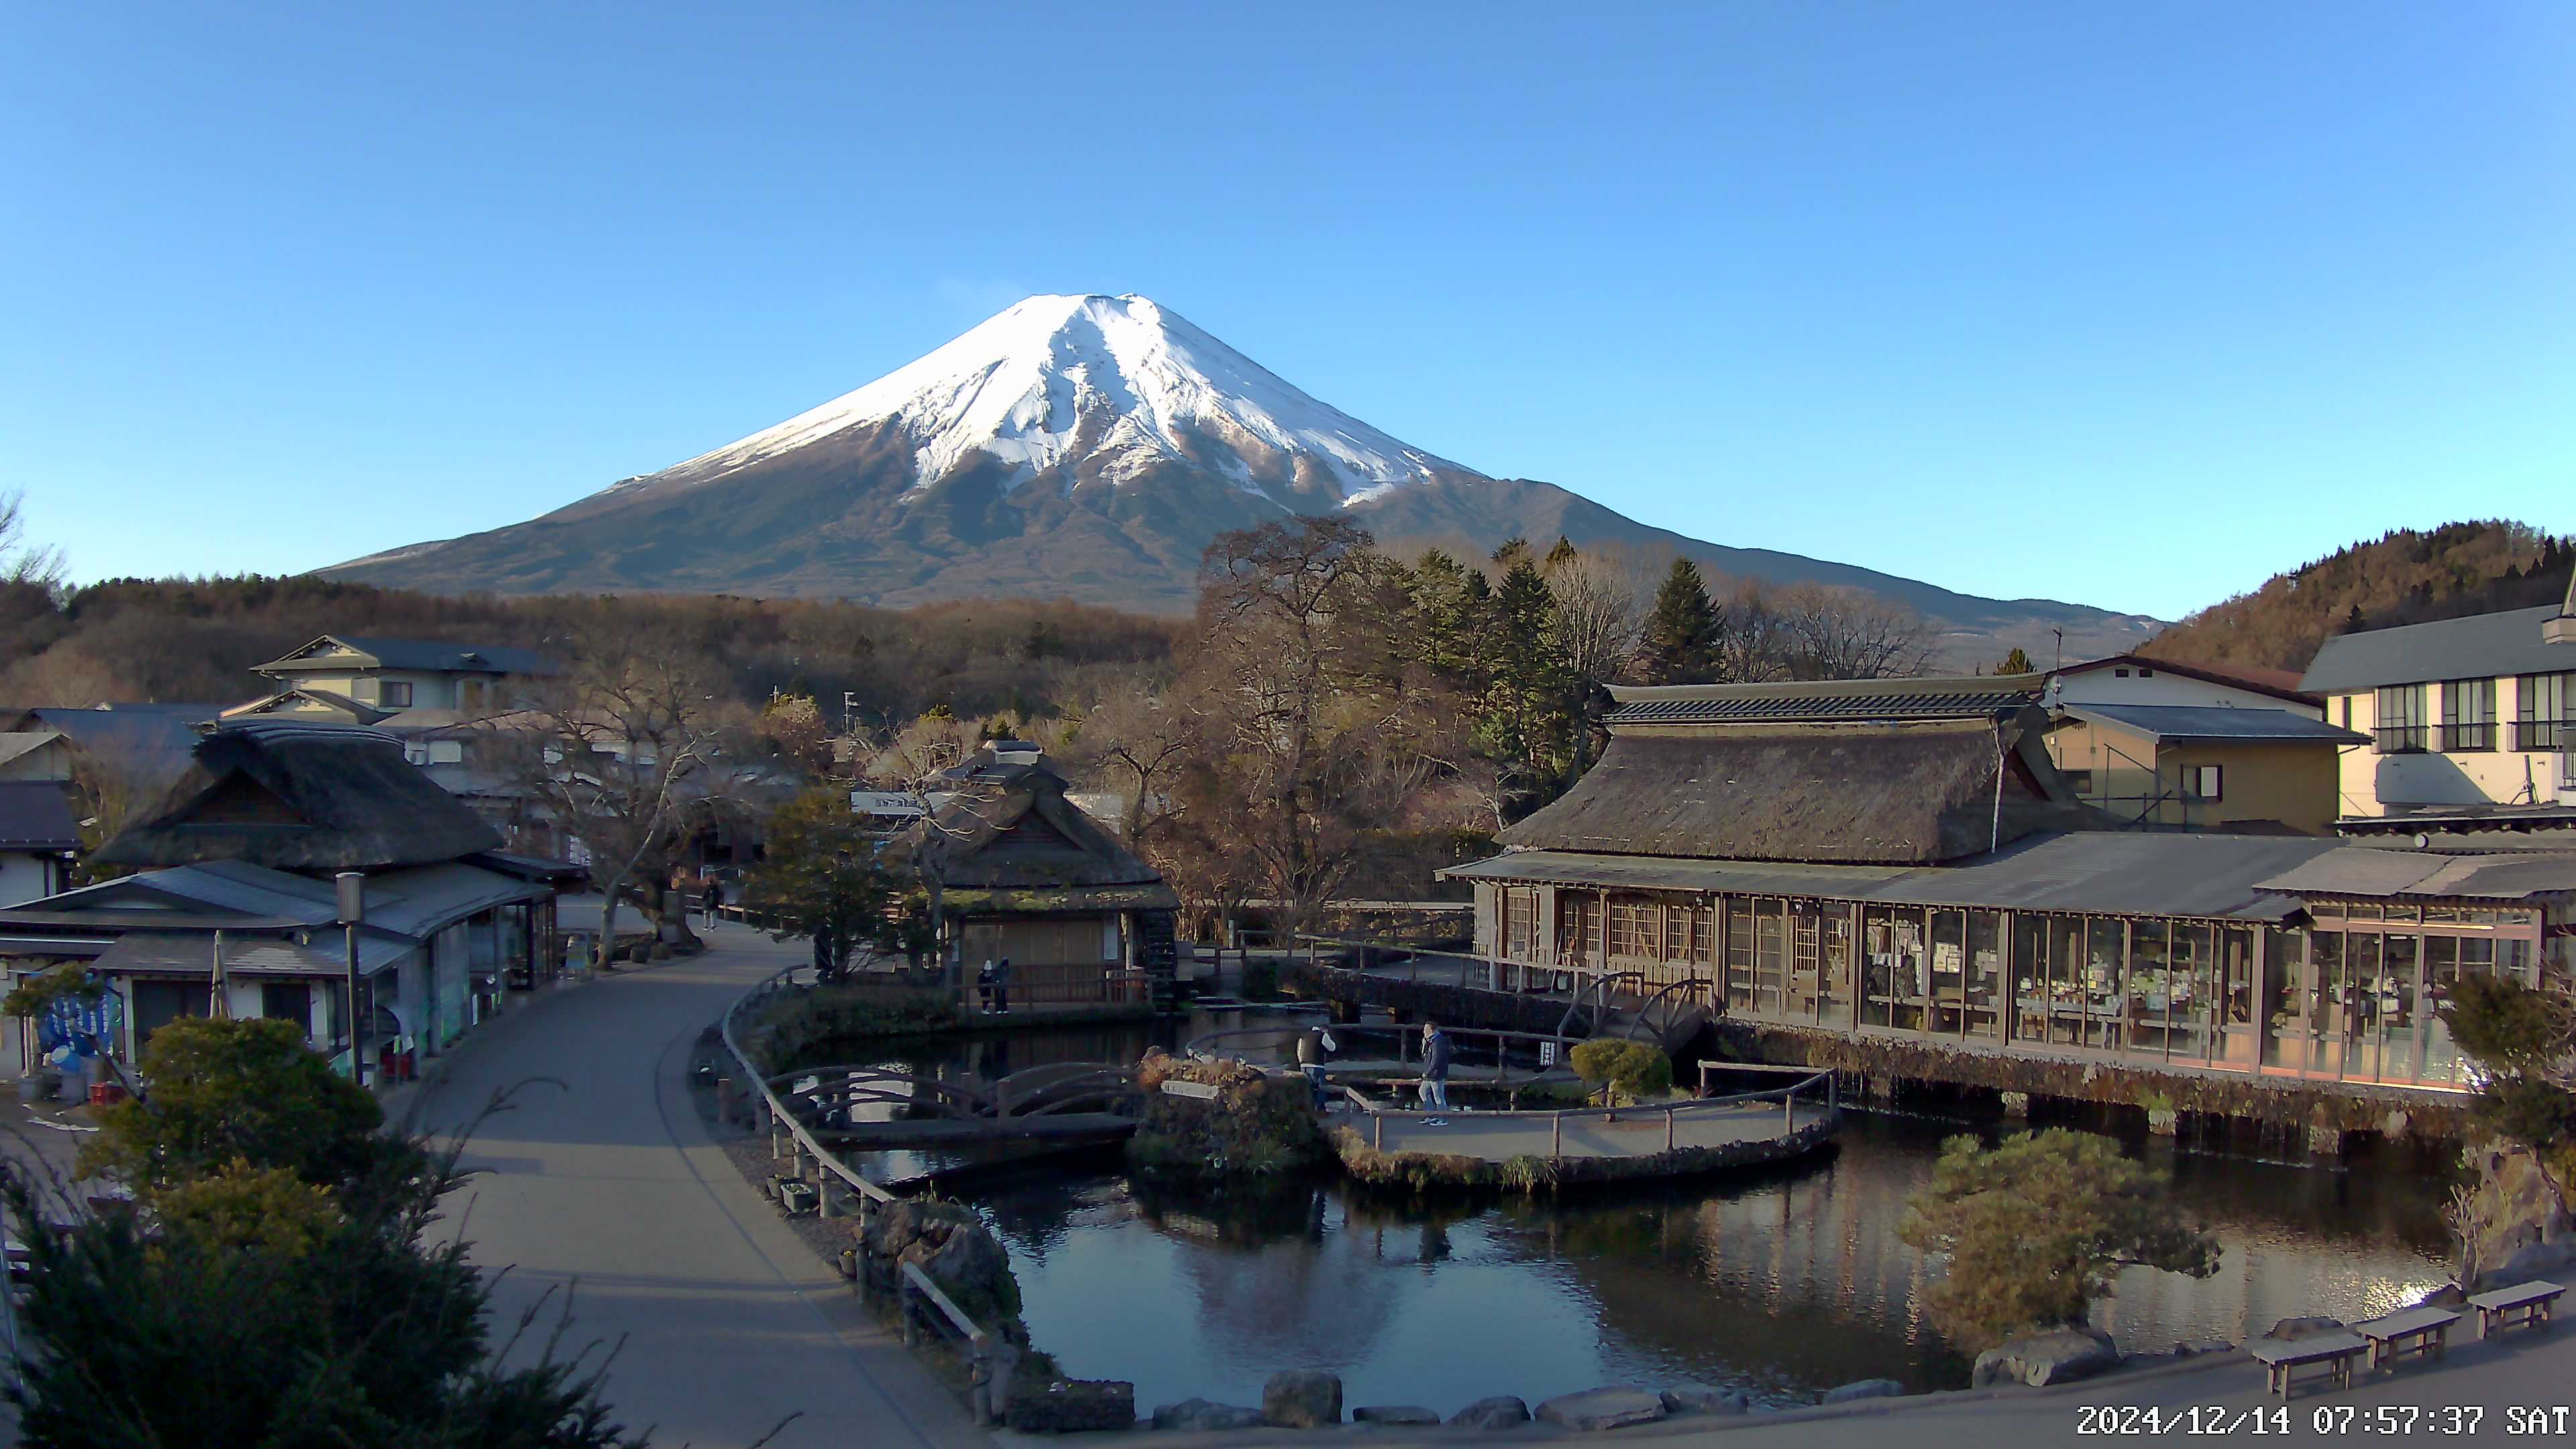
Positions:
{"x": 2370, "y": 872}
{"x": 2214, "y": 722}
{"x": 2482, "y": 646}
{"x": 420, "y": 901}
{"x": 194, "y": 954}
{"x": 2121, "y": 873}
{"x": 35, "y": 816}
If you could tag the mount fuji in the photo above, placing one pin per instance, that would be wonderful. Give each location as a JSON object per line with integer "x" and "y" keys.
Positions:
{"x": 1084, "y": 448}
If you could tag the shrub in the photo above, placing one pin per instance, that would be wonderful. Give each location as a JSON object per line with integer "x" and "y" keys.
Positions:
{"x": 2037, "y": 1228}
{"x": 1631, "y": 1070}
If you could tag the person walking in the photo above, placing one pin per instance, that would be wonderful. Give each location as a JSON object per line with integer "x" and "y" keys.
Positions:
{"x": 715, "y": 899}
{"x": 1435, "y": 1073}
{"x": 984, "y": 987}
{"x": 1002, "y": 986}
{"x": 1313, "y": 1045}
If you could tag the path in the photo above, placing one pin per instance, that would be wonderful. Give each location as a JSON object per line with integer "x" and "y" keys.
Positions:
{"x": 612, "y": 1183}
{"x": 1638, "y": 1132}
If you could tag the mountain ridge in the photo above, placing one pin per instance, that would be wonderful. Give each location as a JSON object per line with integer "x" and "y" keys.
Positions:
{"x": 1084, "y": 448}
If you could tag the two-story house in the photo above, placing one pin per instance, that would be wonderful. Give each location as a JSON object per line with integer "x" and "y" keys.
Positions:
{"x": 346, "y": 679}
{"x": 2471, "y": 723}
{"x": 2161, "y": 745}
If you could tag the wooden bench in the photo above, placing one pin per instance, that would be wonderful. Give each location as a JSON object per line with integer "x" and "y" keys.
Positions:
{"x": 2534, "y": 1301}
{"x": 2282, "y": 1358}
{"x": 2424, "y": 1332}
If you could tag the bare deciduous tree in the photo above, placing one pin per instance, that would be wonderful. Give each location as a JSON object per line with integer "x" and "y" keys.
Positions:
{"x": 1840, "y": 633}
{"x": 20, "y": 561}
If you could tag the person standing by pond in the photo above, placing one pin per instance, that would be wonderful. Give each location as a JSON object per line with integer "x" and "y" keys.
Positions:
{"x": 1002, "y": 986}
{"x": 1313, "y": 1045}
{"x": 1435, "y": 1073}
{"x": 984, "y": 987}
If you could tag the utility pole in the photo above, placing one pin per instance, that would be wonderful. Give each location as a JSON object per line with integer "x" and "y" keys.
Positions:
{"x": 352, "y": 888}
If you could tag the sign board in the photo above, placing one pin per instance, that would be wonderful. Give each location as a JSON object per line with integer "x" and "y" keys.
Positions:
{"x": 1175, "y": 1087}
{"x": 889, "y": 803}
{"x": 1547, "y": 1054}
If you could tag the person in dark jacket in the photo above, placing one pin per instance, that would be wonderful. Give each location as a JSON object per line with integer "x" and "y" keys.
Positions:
{"x": 1002, "y": 986}
{"x": 984, "y": 987}
{"x": 1435, "y": 1073}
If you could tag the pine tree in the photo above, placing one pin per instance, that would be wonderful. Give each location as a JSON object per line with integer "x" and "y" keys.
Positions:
{"x": 2016, "y": 663}
{"x": 1681, "y": 634}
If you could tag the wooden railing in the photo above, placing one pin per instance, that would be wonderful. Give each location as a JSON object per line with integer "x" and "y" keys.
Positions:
{"x": 1671, "y": 1112}
{"x": 919, "y": 1301}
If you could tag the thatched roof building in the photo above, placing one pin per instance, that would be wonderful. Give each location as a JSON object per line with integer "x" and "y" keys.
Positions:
{"x": 1862, "y": 772}
{"x": 1007, "y": 839}
{"x": 302, "y": 797}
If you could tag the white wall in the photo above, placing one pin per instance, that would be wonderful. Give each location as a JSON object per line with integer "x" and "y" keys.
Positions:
{"x": 2372, "y": 783}
{"x": 24, "y": 878}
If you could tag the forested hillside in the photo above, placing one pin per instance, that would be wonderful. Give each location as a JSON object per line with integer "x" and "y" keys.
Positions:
{"x": 195, "y": 641}
{"x": 2405, "y": 576}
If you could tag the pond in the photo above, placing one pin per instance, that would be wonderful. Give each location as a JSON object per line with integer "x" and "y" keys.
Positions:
{"x": 1782, "y": 1283}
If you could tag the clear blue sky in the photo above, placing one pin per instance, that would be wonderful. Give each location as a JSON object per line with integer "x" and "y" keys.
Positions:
{"x": 2127, "y": 304}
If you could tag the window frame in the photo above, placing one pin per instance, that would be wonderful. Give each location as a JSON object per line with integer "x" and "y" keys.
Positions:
{"x": 2403, "y": 729}
{"x": 2468, "y": 725}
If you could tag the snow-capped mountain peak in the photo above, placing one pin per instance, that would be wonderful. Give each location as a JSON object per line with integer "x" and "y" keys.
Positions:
{"x": 1099, "y": 388}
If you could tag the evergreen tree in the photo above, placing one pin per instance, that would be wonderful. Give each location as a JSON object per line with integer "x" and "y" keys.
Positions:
{"x": 1681, "y": 634}
{"x": 2016, "y": 662}
{"x": 1560, "y": 555}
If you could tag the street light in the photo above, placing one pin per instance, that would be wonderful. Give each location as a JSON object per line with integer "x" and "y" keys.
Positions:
{"x": 352, "y": 886}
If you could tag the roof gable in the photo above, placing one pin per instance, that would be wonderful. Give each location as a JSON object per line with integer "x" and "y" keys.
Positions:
{"x": 302, "y": 797}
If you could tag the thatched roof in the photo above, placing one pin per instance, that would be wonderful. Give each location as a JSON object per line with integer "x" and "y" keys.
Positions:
{"x": 1008, "y": 828}
{"x": 302, "y": 797}
{"x": 1880, "y": 793}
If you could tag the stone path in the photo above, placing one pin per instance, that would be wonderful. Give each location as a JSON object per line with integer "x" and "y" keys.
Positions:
{"x": 606, "y": 1180}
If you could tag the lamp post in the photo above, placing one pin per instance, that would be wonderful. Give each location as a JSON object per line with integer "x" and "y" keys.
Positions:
{"x": 352, "y": 886}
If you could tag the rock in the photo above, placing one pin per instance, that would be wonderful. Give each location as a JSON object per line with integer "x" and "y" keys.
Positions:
{"x": 2200, "y": 1348}
{"x": 1611, "y": 1407}
{"x": 1501, "y": 1412}
{"x": 2519, "y": 1222}
{"x": 1865, "y": 1389}
{"x": 1694, "y": 1398}
{"x": 2291, "y": 1330}
{"x": 2449, "y": 1295}
{"x": 1302, "y": 1399}
{"x": 2039, "y": 1359}
{"x": 1394, "y": 1414}
{"x": 1073, "y": 1406}
{"x": 1201, "y": 1414}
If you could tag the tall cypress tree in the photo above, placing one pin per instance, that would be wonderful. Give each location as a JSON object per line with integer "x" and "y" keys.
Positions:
{"x": 1681, "y": 634}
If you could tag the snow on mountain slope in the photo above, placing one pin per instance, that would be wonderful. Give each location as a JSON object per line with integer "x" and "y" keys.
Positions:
{"x": 1054, "y": 381}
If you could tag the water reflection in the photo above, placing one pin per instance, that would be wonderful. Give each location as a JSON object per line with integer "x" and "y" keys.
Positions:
{"x": 1783, "y": 1284}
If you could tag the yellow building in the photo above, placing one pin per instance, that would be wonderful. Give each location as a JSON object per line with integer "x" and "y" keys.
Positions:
{"x": 2186, "y": 767}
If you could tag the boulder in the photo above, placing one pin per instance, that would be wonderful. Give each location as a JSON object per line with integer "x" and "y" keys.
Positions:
{"x": 1302, "y": 1399}
{"x": 1394, "y": 1414}
{"x": 1072, "y": 1406}
{"x": 1696, "y": 1398}
{"x": 1202, "y": 1414}
{"x": 1865, "y": 1389}
{"x": 2055, "y": 1357}
{"x": 1500, "y": 1412}
{"x": 2291, "y": 1330}
{"x": 2517, "y": 1220}
{"x": 1611, "y": 1407}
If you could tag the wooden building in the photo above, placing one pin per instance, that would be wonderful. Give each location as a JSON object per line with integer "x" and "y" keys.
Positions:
{"x": 1900, "y": 861}
{"x": 1025, "y": 875}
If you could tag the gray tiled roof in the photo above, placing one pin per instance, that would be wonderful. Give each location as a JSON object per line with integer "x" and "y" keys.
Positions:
{"x": 2483, "y": 646}
{"x": 437, "y": 655}
{"x": 1832, "y": 699}
{"x": 35, "y": 816}
{"x": 2361, "y": 870}
{"x": 2129, "y": 873}
{"x": 2213, "y": 722}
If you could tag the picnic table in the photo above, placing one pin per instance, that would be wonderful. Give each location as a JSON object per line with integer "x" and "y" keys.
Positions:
{"x": 2282, "y": 1358}
{"x": 2534, "y": 1300}
{"x": 2424, "y": 1332}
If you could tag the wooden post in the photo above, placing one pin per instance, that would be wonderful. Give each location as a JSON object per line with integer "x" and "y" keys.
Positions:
{"x": 1377, "y": 1131}
{"x": 1556, "y": 1135}
{"x": 904, "y": 1296}
{"x": 1789, "y": 1110}
{"x": 1668, "y": 1129}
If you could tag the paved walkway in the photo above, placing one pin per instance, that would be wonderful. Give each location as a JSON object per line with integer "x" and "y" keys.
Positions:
{"x": 607, "y": 1180}
{"x": 1638, "y": 1132}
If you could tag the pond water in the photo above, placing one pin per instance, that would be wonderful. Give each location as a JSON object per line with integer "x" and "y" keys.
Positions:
{"x": 1782, "y": 1283}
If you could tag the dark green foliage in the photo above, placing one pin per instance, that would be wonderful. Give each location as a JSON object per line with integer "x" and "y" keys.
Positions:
{"x": 819, "y": 879}
{"x": 1681, "y": 638}
{"x": 2520, "y": 1037}
{"x": 2016, "y": 662}
{"x": 1632, "y": 1071}
{"x": 2037, "y": 1227}
{"x": 276, "y": 1288}
{"x": 249, "y": 1092}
